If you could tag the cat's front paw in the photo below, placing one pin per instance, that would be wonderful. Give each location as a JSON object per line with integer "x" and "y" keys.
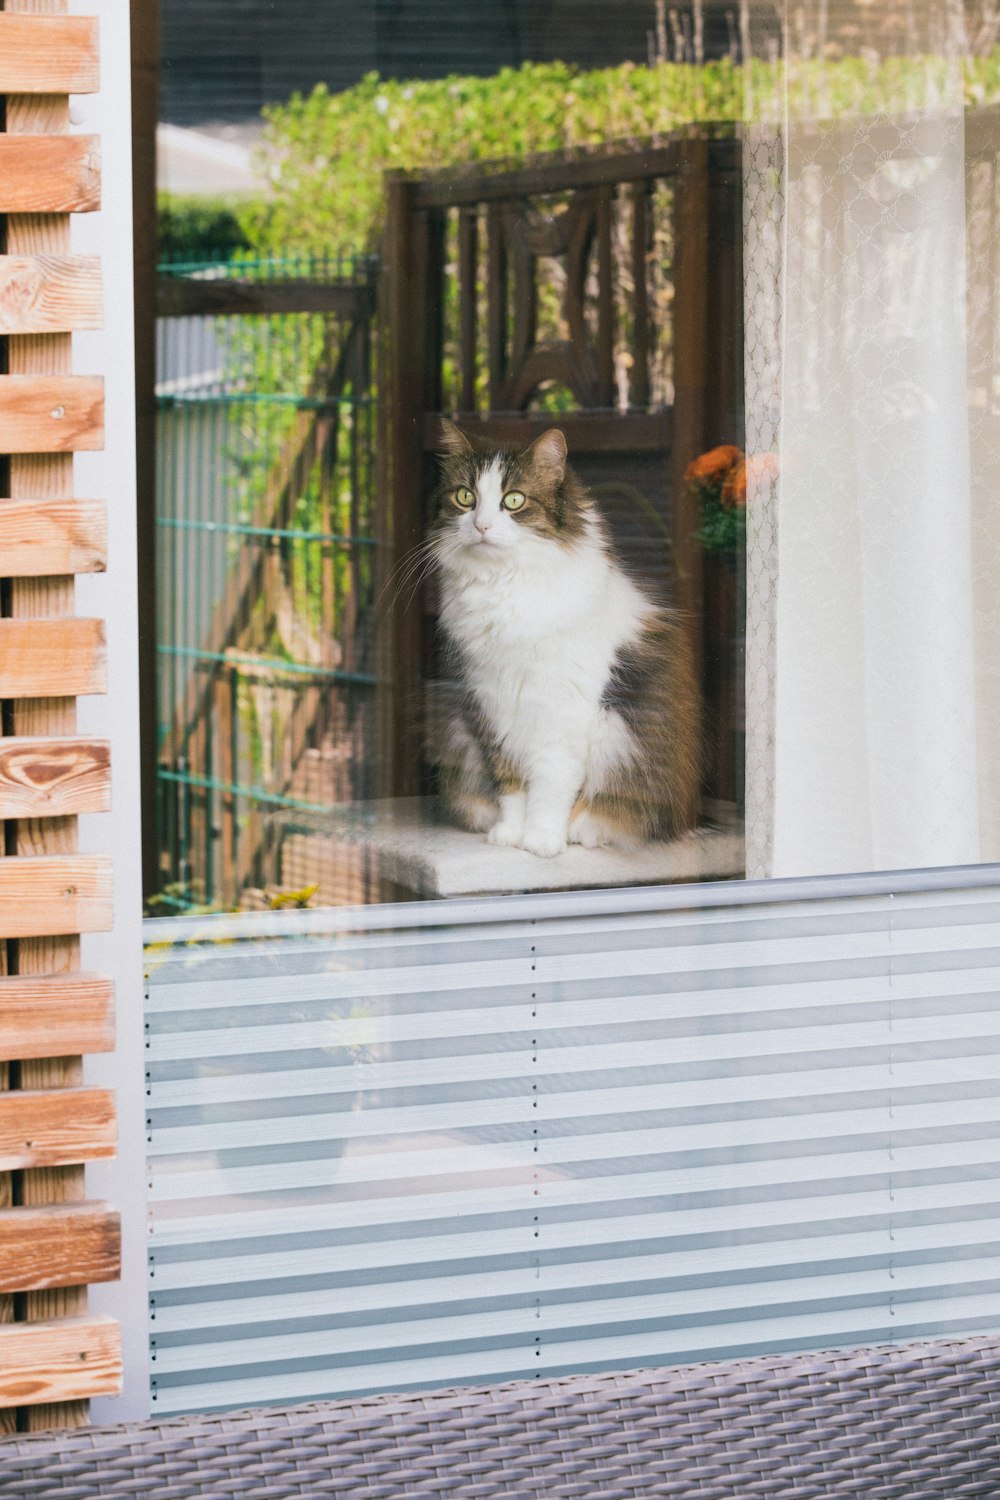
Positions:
{"x": 505, "y": 835}
{"x": 544, "y": 842}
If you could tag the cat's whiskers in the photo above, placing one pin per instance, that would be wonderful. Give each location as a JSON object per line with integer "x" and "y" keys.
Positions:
{"x": 412, "y": 560}
{"x": 411, "y": 573}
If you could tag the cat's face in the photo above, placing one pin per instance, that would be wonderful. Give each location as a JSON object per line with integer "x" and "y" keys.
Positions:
{"x": 493, "y": 501}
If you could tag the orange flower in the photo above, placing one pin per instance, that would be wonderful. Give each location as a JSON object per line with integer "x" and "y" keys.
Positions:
{"x": 734, "y": 489}
{"x": 712, "y": 467}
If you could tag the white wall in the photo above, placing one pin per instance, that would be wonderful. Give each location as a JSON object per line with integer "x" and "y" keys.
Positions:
{"x": 111, "y": 475}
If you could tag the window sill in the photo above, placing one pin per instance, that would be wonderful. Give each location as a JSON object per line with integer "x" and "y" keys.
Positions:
{"x": 422, "y": 855}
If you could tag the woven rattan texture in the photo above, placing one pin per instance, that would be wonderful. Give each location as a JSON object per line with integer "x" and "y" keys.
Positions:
{"x": 910, "y": 1422}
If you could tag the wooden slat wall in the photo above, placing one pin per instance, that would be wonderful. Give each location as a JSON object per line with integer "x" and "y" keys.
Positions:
{"x": 47, "y": 1247}
{"x": 52, "y": 1241}
{"x": 40, "y": 538}
{"x": 42, "y": 777}
{"x": 44, "y": 895}
{"x": 60, "y": 658}
{"x": 55, "y": 1129}
{"x": 50, "y": 293}
{"x": 51, "y": 413}
{"x": 54, "y": 55}
{"x": 49, "y": 174}
{"x": 56, "y": 1015}
{"x": 72, "y": 1358}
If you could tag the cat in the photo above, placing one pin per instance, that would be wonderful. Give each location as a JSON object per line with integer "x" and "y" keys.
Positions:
{"x": 574, "y": 715}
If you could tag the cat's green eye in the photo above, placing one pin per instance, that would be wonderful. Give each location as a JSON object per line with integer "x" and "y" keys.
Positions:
{"x": 514, "y": 500}
{"x": 464, "y": 498}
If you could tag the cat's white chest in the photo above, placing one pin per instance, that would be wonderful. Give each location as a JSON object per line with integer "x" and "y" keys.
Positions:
{"x": 509, "y": 620}
{"x": 529, "y": 592}
{"x": 538, "y": 641}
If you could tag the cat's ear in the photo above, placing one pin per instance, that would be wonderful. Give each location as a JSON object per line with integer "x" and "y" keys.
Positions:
{"x": 547, "y": 455}
{"x": 453, "y": 440}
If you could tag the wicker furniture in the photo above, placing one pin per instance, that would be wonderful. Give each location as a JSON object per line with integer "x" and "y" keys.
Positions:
{"x": 909, "y": 1422}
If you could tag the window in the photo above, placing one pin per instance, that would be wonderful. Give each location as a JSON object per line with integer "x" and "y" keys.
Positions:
{"x": 605, "y": 1117}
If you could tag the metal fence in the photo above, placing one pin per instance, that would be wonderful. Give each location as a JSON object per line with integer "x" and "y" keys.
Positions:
{"x": 265, "y": 573}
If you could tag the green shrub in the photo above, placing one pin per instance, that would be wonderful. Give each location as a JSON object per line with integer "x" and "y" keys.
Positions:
{"x": 196, "y": 229}
{"x": 325, "y": 155}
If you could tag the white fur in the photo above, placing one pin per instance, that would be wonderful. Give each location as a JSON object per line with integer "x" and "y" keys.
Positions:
{"x": 539, "y": 624}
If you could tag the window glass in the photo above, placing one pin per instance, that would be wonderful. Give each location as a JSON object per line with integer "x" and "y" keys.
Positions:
{"x": 575, "y": 450}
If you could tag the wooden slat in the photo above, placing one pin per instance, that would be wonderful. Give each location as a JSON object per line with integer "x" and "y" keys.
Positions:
{"x": 413, "y": 242}
{"x": 52, "y": 658}
{"x": 45, "y": 895}
{"x": 56, "y": 1127}
{"x": 44, "y": 538}
{"x": 551, "y": 172}
{"x": 691, "y": 377}
{"x": 46, "y": 778}
{"x": 61, "y": 1015}
{"x": 190, "y": 297}
{"x": 50, "y": 293}
{"x": 51, "y": 413}
{"x": 65, "y": 1245}
{"x": 625, "y": 432}
{"x": 555, "y": 172}
{"x": 605, "y": 351}
{"x": 468, "y": 297}
{"x": 496, "y": 304}
{"x": 48, "y": 54}
{"x": 641, "y": 327}
{"x": 71, "y": 1359}
{"x": 49, "y": 174}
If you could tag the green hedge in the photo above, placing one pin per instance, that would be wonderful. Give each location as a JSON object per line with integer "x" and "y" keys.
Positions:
{"x": 325, "y": 155}
{"x": 192, "y": 228}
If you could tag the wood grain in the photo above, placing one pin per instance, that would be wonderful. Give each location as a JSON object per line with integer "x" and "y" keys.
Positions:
{"x": 60, "y": 1015}
{"x": 71, "y": 1359}
{"x": 51, "y": 413}
{"x": 50, "y": 293}
{"x": 43, "y": 538}
{"x": 46, "y": 778}
{"x": 44, "y": 476}
{"x": 64, "y": 1245}
{"x": 57, "y": 1127}
{"x": 48, "y": 54}
{"x": 46, "y": 895}
{"x": 52, "y": 658}
{"x": 49, "y": 174}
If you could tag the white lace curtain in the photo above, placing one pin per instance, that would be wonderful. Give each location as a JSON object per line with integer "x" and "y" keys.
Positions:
{"x": 873, "y": 440}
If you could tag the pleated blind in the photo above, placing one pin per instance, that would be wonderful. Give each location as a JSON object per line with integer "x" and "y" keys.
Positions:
{"x": 463, "y": 1141}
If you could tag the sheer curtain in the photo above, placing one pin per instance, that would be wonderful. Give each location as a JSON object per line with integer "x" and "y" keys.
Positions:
{"x": 873, "y": 687}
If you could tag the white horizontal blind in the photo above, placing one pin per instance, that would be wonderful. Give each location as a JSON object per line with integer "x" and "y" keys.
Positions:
{"x": 460, "y": 1142}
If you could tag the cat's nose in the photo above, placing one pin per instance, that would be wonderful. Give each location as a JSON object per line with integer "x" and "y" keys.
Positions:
{"x": 482, "y": 525}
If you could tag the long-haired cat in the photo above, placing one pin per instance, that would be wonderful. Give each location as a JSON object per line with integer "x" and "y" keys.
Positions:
{"x": 576, "y": 717}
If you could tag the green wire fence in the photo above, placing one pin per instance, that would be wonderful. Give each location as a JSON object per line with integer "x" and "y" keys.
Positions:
{"x": 265, "y": 573}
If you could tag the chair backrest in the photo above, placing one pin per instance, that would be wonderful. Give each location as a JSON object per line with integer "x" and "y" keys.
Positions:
{"x": 916, "y": 1420}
